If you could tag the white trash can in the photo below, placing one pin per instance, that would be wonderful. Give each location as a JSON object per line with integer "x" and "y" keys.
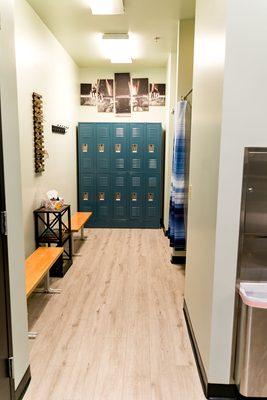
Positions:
{"x": 251, "y": 360}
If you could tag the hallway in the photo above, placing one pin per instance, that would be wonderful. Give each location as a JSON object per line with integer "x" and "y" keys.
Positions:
{"x": 116, "y": 332}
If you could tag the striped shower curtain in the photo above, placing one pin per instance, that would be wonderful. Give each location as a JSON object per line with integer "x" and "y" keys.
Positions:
{"x": 176, "y": 231}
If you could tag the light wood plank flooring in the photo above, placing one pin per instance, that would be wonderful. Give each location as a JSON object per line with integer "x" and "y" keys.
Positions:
{"x": 116, "y": 332}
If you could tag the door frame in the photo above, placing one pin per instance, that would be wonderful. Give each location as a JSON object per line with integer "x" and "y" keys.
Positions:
{"x": 5, "y": 262}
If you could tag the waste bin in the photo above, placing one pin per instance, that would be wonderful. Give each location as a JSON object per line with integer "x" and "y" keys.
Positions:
{"x": 251, "y": 361}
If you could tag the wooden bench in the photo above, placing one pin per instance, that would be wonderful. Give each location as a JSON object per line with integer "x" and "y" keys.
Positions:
{"x": 37, "y": 268}
{"x": 78, "y": 221}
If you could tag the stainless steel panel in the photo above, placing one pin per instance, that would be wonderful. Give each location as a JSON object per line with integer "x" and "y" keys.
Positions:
{"x": 251, "y": 366}
{"x": 252, "y": 257}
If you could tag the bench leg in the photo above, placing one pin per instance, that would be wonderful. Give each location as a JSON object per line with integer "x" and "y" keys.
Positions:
{"x": 82, "y": 234}
{"x": 32, "y": 335}
{"x": 73, "y": 244}
{"x": 47, "y": 289}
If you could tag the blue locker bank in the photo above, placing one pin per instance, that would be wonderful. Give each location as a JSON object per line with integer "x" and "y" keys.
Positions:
{"x": 121, "y": 174}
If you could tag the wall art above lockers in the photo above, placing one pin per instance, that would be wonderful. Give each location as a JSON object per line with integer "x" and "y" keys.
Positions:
{"x": 123, "y": 95}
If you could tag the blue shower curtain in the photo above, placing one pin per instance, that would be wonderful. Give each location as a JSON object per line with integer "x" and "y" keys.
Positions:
{"x": 176, "y": 231}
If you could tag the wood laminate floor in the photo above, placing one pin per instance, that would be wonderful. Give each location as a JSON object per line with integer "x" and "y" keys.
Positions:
{"x": 116, "y": 332}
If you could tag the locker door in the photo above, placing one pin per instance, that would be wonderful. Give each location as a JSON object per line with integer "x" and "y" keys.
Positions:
{"x": 103, "y": 200}
{"x": 153, "y": 200}
{"x": 118, "y": 196}
{"x": 118, "y": 147}
{"x": 103, "y": 147}
{"x": 136, "y": 197}
{"x": 87, "y": 148}
{"x": 136, "y": 147}
{"x": 153, "y": 147}
{"x": 87, "y": 195}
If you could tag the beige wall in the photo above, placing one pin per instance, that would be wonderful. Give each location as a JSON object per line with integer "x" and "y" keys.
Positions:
{"x": 155, "y": 114}
{"x": 10, "y": 127}
{"x": 45, "y": 67}
{"x": 186, "y": 56}
{"x": 208, "y": 78}
{"x": 244, "y": 124}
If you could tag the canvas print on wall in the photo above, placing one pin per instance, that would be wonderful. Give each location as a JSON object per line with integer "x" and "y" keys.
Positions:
{"x": 105, "y": 96}
{"x": 140, "y": 99}
{"x": 122, "y": 93}
{"x": 157, "y": 95}
{"x": 88, "y": 94}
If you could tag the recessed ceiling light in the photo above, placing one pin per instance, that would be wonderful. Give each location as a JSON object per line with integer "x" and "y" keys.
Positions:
{"x": 117, "y": 48}
{"x": 106, "y": 7}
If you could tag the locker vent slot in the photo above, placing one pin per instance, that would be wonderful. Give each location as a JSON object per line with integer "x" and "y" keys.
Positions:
{"x": 103, "y": 211}
{"x": 104, "y": 163}
{"x": 120, "y": 163}
{"x": 136, "y": 163}
{"x": 119, "y": 132}
{"x": 88, "y": 181}
{"x": 136, "y": 181}
{"x": 87, "y": 163}
{"x": 136, "y": 132}
{"x": 136, "y": 212}
{"x": 152, "y": 164}
{"x": 152, "y": 211}
{"x": 119, "y": 181}
{"x": 119, "y": 211}
{"x": 103, "y": 132}
{"x": 103, "y": 181}
{"x": 152, "y": 181}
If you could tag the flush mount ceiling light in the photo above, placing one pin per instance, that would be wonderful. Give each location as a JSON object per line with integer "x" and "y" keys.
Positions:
{"x": 117, "y": 48}
{"x": 106, "y": 7}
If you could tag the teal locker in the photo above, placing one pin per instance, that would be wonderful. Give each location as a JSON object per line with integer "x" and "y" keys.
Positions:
{"x": 119, "y": 147}
{"x": 87, "y": 148}
{"x": 152, "y": 197}
{"x": 120, "y": 174}
{"x": 102, "y": 133}
{"x": 119, "y": 196}
{"x": 136, "y": 196}
{"x": 103, "y": 198}
{"x": 136, "y": 147}
{"x": 153, "y": 148}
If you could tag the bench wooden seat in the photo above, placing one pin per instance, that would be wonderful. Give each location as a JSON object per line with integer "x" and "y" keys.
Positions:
{"x": 79, "y": 219}
{"x": 37, "y": 266}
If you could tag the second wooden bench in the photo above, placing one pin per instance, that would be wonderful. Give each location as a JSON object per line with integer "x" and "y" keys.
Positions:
{"x": 37, "y": 267}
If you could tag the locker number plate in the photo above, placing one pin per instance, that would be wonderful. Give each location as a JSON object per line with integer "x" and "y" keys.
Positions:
{"x": 134, "y": 196}
{"x": 150, "y": 196}
{"x": 101, "y": 148}
{"x": 85, "y": 196}
{"x": 101, "y": 196}
{"x": 118, "y": 196}
{"x": 134, "y": 148}
{"x": 118, "y": 148}
{"x": 85, "y": 148}
{"x": 151, "y": 148}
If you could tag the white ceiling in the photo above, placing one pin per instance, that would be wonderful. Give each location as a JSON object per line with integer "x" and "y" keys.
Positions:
{"x": 79, "y": 31}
